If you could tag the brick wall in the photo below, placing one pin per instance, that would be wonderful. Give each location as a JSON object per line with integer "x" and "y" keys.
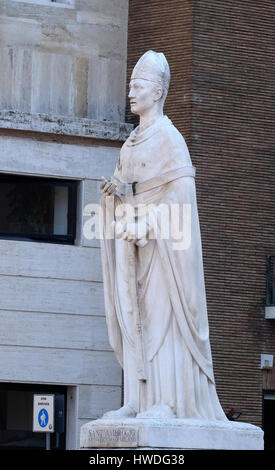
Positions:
{"x": 232, "y": 144}
{"x": 221, "y": 56}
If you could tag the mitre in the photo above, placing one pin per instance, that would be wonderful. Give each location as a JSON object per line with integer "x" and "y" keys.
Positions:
{"x": 154, "y": 67}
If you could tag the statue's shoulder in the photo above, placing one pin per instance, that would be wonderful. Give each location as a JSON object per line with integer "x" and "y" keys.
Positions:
{"x": 171, "y": 133}
{"x": 173, "y": 140}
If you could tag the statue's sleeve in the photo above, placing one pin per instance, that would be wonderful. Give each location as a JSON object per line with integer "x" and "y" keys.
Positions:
{"x": 108, "y": 274}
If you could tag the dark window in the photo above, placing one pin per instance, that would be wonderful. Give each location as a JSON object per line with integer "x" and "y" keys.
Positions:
{"x": 35, "y": 208}
{"x": 269, "y": 420}
{"x": 16, "y": 417}
{"x": 270, "y": 280}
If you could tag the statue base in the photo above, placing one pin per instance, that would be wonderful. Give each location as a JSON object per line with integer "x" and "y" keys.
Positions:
{"x": 135, "y": 433}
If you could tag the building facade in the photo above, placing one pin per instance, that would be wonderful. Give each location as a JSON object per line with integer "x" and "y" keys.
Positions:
{"x": 62, "y": 108}
{"x": 63, "y": 118}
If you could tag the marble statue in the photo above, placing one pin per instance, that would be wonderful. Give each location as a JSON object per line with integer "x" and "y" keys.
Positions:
{"x": 154, "y": 292}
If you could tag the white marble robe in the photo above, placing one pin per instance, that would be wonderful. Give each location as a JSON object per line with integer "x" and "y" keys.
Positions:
{"x": 170, "y": 289}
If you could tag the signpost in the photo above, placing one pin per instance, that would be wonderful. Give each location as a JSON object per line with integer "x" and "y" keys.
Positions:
{"x": 43, "y": 415}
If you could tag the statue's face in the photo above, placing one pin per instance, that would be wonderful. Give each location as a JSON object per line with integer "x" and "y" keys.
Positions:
{"x": 143, "y": 94}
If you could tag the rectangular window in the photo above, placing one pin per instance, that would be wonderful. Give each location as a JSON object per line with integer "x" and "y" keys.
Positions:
{"x": 16, "y": 417}
{"x": 34, "y": 208}
{"x": 269, "y": 419}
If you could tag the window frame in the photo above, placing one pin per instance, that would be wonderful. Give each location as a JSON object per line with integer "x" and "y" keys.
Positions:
{"x": 69, "y": 238}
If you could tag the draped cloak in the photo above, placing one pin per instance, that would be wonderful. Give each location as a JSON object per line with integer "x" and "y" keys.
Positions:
{"x": 170, "y": 287}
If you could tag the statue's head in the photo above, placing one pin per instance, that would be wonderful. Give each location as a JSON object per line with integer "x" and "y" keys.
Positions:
{"x": 149, "y": 82}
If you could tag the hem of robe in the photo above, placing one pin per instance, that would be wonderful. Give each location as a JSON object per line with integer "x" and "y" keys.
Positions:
{"x": 174, "y": 379}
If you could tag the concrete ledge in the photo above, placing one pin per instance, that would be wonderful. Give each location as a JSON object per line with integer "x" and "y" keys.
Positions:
{"x": 170, "y": 434}
{"x": 65, "y": 125}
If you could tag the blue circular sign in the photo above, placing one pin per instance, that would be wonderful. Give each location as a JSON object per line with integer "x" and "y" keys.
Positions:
{"x": 43, "y": 418}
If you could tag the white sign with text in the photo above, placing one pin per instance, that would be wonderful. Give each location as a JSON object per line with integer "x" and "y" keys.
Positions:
{"x": 43, "y": 413}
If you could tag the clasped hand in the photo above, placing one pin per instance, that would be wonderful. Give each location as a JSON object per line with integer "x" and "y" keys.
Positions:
{"x": 107, "y": 187}
{"x": 135, "y": 232}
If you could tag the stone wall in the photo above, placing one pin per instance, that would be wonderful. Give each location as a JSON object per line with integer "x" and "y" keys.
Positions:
{"x": 62, "y": 107}
{"x": 64, "y": 59}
